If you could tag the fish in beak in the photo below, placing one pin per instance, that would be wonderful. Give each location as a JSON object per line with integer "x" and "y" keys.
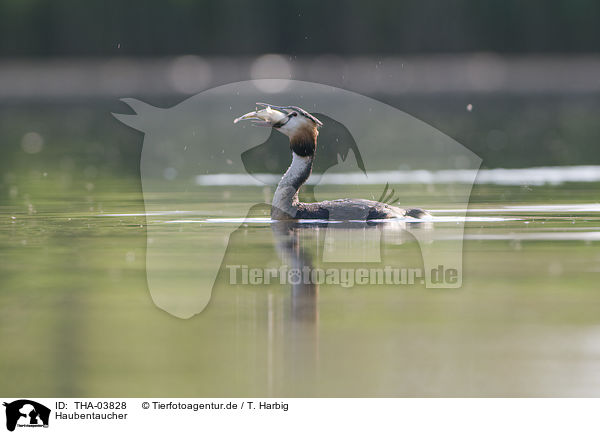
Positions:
{"x": 266, "y": 117}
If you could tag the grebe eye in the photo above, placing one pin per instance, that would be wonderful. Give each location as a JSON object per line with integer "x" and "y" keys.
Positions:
{"x": 294, "y": 114}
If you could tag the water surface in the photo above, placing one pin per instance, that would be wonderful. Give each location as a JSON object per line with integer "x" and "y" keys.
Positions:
{"x": 77, "y": 318}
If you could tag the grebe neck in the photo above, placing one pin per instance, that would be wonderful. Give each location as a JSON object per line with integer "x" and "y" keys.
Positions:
{"x": 285, "y": 200}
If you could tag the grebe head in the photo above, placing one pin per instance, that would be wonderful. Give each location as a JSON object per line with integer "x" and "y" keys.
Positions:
{"x": 300, "y": 126}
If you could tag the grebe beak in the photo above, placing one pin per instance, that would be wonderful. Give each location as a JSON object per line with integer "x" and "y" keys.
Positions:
{"x": 266, "y": 117}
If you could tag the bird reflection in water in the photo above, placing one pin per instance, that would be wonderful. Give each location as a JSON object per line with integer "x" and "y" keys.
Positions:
{"x": 277, "y": 325}
{"x": 295, "y": 243}
{"x": 302, "y": 340}
{"x": 303, "y": 293}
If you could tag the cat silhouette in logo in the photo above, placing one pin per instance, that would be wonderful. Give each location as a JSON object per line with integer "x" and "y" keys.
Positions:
{"x": 28, "y": 409}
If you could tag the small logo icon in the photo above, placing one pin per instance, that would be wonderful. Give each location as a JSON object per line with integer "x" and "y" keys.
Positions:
{"x": 26, "y": 413}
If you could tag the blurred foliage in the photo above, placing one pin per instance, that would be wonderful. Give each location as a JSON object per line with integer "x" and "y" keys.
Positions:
{"x": 230, "y": 27}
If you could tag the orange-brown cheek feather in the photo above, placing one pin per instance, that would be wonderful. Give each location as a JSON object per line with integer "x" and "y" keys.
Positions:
{"x": 304, "y": 141}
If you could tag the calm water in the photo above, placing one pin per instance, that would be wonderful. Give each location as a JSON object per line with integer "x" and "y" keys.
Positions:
{"x": 77, "y": 318}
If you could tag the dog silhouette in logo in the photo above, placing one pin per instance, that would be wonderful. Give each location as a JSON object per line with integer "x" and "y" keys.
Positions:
{"x": 28, "y": 409}
{"x": 190, "y": 151}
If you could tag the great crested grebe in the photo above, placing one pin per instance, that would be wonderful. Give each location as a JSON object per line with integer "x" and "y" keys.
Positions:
{"x": 302, "y": 128}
